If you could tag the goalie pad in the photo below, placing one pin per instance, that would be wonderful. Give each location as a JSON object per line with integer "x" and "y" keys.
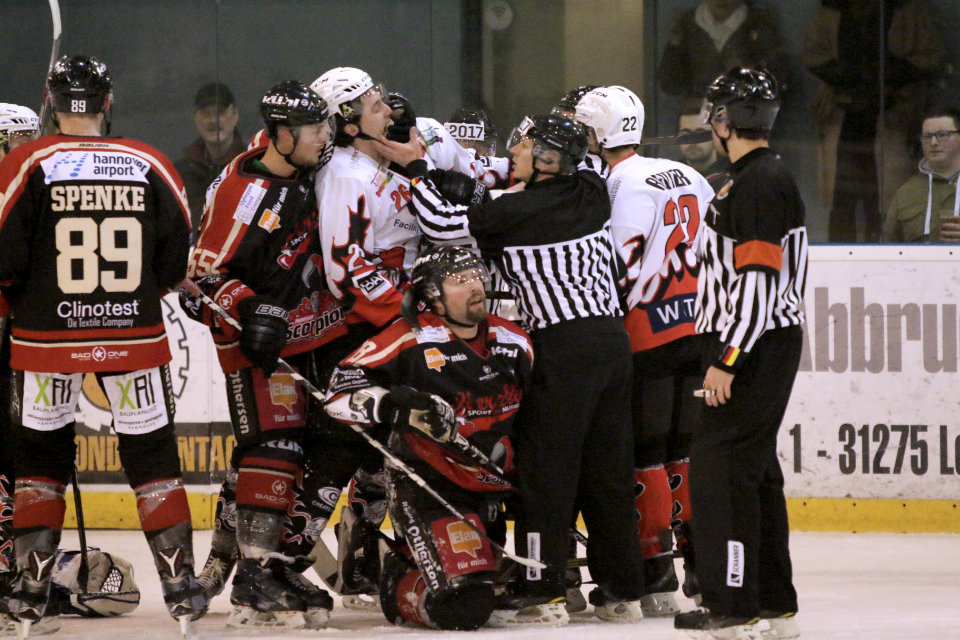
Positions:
{"x": 110, "y": 590}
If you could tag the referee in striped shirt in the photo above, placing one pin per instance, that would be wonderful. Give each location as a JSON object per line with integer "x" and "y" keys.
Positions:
{"x": 753, "y": 254}
{"x": 552, "y": 243}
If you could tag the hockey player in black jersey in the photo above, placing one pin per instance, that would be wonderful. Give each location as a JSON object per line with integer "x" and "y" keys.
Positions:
{"x": 749, "y": 312}
{"x": 95, "y": 229}
{"x": 447, "y": 370}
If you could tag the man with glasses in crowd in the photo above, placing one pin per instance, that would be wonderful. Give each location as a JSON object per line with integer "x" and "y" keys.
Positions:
{"x": 926, "y": 208}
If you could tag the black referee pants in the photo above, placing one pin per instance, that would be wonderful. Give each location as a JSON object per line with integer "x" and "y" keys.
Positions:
{"x": 741, "y": 532}
{"x": 574, "y": 446}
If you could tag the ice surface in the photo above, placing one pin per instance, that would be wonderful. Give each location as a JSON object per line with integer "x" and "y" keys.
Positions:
{"x": 851, "y": 586}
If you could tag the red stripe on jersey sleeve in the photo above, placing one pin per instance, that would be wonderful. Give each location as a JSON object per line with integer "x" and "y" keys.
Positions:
{"x": 758, "y": 254}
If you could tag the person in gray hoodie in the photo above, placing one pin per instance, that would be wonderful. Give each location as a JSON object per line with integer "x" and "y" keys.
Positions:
{"x": 926, "y": 208}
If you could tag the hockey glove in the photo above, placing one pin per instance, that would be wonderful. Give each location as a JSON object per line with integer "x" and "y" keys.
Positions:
{"x": 403, "y": 118}
{"x": 459, "y": 188}
{"x": 264, "y": 333}
{"x": 406, "y": 408}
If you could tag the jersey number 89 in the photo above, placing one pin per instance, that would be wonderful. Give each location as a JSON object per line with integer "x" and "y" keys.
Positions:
{"x": 119, "y": 240}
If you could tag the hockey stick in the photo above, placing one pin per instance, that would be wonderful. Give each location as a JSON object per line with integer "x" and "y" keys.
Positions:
{"x": 83, "y": 572}
{"x": 189, "y": 287}
{"x": 54, "y": 52}
{"x": 695, "y": 137}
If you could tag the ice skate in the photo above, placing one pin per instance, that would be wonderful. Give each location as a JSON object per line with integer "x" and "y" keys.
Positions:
{"x": 358, "y": 555}
{"x": 660, "y": 586}
{"x": 782, "y": 626}
{"x": 317, "y": 602}
{"x": 611, "y": 609}
{"x": 574, "y": 601}
{"x": 261, "y": 601}
{"x": 703, "y": 625}
{"x": 362, "y": 602}
{"x": 214, "y": 576}
{"x": 517, "y": 611}
{"x": 181, "y": 592}
{"x": 31, "y": 593}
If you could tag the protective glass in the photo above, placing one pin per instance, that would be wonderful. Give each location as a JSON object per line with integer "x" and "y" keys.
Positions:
{"x": 477, "y": 272}
{"x": 354, "y": 108}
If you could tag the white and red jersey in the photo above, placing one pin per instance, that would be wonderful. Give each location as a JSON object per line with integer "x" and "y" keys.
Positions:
{"x": 259, "y": 237}
{"x": 657, "y": 207}
{"x": 369, "y": 236}
{"x": 447, "y": 153}
{"x": 94, "y": 230}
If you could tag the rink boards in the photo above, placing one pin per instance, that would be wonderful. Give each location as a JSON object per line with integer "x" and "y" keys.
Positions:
{"x": 870, "y": 442}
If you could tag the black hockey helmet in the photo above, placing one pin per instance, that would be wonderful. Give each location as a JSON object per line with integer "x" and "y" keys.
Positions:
{"x": 568, "y": 103}
{"x": 429, "y": 271}
{"x": 744, "y": 98}
{"x": 79, "y": 84}
{"x": 556, "y": 133}
{"x": 293, "y": 104}
{"x": 472, "y": 127}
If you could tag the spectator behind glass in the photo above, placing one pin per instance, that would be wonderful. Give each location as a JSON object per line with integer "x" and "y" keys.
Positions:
{"x": 842, "y": 49}
{"x": 215, "y": 117}
{"x": 715, "y": 36}
{"x": 703, "y": 156}
{"x": 926, "y": 208}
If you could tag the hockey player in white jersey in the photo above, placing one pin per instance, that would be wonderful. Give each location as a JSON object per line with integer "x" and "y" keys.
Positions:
{"x": 656, "y": 207}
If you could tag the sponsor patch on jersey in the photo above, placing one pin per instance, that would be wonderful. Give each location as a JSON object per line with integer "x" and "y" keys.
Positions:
{"x": 372, "y": 284}
{"x": 249, "y": 203}
{"x": 49, "y": 399}
{"x": 724, "y": 190}
{"x": 435, "y": 359}
{"x": 431, "y": 334}
{"x": 506, "y": 336}
{"x": 269, "y": 221}
{"x": 137, "y": 401}
{"x": 283, "y": 391}
{"x": 115, "y": 166}
{"x": 672, "y": 312}
{"x": 463, "y": 539}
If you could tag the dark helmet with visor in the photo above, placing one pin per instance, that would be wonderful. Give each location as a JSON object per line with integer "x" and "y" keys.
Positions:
{"x": 743, "y": 98}
{"x": 79, "y": 84}
{"x": 429, "y": 272}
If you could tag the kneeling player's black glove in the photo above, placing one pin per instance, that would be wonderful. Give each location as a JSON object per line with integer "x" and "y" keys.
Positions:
{"x": 459, "y": 188}
{"x": 264, "y": 333}
{"x": 405, "y": 408}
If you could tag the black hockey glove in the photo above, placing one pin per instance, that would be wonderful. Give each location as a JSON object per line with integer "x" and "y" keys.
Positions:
{"x": 403, "y": 118}
{"x": 264, "y": 333}
{"x": 406, "y": 408}
{"x": 459, "y": 188}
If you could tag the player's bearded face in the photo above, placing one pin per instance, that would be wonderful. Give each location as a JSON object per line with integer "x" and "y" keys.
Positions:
{"x": 464, "y": 296}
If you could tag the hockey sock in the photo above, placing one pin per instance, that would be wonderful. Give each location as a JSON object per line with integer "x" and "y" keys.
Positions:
{"x": 38, "y": 503}
{"x": 678, "y": 473}
{"x": 162, "y": 504}
{"x": 653, "y": 501}
{"x": 223, "y": 544}
{"x": 8, "y": 561}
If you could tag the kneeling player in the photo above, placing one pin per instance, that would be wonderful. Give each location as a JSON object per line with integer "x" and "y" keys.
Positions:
{"x": 466, "y": 372}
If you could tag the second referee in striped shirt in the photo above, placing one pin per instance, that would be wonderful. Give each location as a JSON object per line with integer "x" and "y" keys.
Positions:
{"x": 552, "y": 244}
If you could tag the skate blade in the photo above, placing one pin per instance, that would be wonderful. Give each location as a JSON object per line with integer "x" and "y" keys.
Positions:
{"x": 248, "y": 618}
{"x": 316, "y": 618}
{"x": 23, "y": 629}
{"x": 659, "y": 605}
{"x": 620, "y": 612}
{"x": 362, "y": 602}
{"x": 552, "y": 614}
{"x": 739, "y": 632}
{"x": 779, "y": 628}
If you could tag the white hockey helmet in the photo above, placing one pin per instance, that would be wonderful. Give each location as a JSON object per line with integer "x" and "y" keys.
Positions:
{"x": 614, "y": 113}
{"x": 340, "y": 86}
{"x": 13, "y": 117}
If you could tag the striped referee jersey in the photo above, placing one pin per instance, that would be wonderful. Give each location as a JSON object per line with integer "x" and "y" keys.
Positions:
{"x": 551, "y": 243}
{"x": 753, "y": 253}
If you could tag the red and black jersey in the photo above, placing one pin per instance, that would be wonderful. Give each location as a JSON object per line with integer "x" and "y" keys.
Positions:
{"x": 260, "y": 236}
{"x": 483, "y": 381}
{"x": 94, "y": 230}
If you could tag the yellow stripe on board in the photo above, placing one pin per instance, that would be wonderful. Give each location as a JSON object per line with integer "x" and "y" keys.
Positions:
{"x": 118, "y": 510}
